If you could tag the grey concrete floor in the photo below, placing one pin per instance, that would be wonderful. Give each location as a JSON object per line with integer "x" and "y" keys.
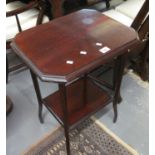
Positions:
{"x": 132, "y": 125}
{"x": 24, "y": 128}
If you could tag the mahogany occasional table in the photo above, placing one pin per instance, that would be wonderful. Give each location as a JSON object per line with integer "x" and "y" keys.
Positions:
{"x": 65, "y": 51}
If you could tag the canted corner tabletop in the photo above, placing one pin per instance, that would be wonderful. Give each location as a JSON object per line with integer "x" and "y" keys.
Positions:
{"x": 65, "y": 51}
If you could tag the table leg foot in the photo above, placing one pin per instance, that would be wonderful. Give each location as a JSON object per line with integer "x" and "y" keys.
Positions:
{"x": 67, "y": 141}
{"x": 115, "y": 111}
{"x": 40, "y": 115}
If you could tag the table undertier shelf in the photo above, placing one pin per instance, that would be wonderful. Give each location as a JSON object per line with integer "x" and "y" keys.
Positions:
{"x": 77, "y": 109}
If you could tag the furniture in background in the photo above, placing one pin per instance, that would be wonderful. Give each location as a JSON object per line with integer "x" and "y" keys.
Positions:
{"x": 141, "y": 25}
{"x": 21, "y": 16}
{"x": 58, "y": 6}
{"x": 125, "y": 12}
{"x": 67, "y": 55}
{"x": 135, "y": 14}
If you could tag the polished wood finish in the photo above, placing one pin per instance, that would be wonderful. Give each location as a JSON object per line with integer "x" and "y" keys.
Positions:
{"x": 62, "y": 40}
{"x": 65, "y": 115}
{"x": 77, "y": 110}
{"x": 138, "y": 55}
{"x": 120, "y": 65}
{"x": 80, "y": 31}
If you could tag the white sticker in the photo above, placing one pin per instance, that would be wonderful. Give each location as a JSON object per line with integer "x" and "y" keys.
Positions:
{"x": 69, "y": 62}
{"x": 98, "y": 44}
{"x": 105, "y": 49}
{"x": 83, "y": 52}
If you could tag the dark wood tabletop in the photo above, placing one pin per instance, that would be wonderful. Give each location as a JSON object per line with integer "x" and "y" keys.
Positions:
{"x": 72, "y": 45}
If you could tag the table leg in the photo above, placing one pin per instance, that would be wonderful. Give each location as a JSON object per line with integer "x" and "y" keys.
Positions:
{"x": 38, "y": 94}
{"x": 85, "y": 90}
{"x": 116, "y": 77}
{"x": 119, "y": 67}
{"x": 143, "y": 65}
{"x": 63, "y": 96}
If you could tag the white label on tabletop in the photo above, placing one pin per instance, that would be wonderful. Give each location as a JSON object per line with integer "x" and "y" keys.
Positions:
{"x": 69, "y": 62}
{"x": 98, "y": 44}
{"x": 105, "y": 49}
{"x": 83, "y": 52}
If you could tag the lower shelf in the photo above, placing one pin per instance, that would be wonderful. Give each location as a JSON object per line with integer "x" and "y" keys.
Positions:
{"x": 96, "y": 99}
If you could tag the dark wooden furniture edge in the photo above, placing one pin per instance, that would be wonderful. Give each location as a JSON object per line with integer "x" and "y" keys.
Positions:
{"x": 42, "y": 76}
{"x": 71, "y": 76}
{"x": 47, "y": 101}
